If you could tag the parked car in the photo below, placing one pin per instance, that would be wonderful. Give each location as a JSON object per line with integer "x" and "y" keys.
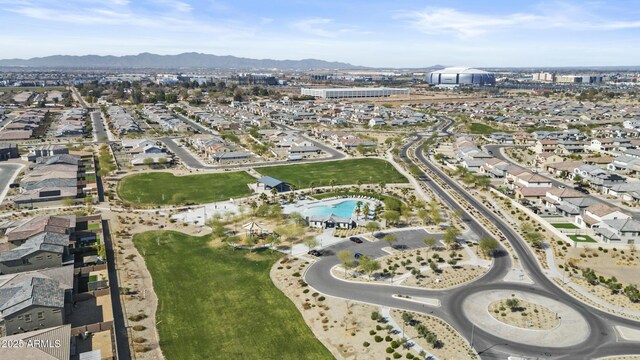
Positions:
{"x": 356, "y": 239}
{"x": 561, "y": 187}
{"x": 581, "y": 189}
{"x": 315, "y": 253}
{"x": 357, "y": 255}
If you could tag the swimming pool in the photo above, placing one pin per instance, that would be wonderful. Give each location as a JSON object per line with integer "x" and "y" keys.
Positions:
{"x": 342, "y": 209}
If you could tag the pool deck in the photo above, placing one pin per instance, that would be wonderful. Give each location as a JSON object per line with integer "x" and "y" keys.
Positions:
{"x": 302, "y": 205}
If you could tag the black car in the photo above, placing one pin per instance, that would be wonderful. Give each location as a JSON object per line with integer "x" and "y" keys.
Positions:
{"x": 582, "y": 190}
{"x": 357, "y": 255}
{"x": 315, "y": 253}
{"x": 356, "y": 240}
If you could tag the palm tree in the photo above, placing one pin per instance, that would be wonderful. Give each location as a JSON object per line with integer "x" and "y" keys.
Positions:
{"x": 359, "y": 183}
{"x": 366, "y": 210}
{"x": 264, "y": 197}
{"x": 312, "y": 185}
{"x": 274, "y": 193}
{"x": 382, "y": 185}
{"x": 332, "y": 183}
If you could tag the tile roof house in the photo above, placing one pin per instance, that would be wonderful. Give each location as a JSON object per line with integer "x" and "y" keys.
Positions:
{"x": 34, "y": 300}
{"x": 623, "y": 231}
{"x": 41, "y": 251}
{"x": 599, "y": 212}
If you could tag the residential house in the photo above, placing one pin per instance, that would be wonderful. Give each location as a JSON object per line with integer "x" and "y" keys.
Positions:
{"x": 597, "y": 213}
{"x": 35, "y": 300}
{"x": 40, "y": 251}
{"x": 618, "y": 231}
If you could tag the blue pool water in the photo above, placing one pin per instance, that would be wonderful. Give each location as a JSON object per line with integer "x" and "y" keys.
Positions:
{"x": 343, "y": 209}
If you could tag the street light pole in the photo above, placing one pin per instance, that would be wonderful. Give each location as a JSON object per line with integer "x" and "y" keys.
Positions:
{"x": 473, "y": 326}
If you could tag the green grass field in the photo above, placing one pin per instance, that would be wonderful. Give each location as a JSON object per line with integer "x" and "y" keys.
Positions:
{"x": 582, "y": 238}
{"x": 477, "y": 128}
{"x": 220, "y": 303}
{"x": 344, "y": 172}
{"x": 565, "y": 226}
{"x": 149, "y": 188}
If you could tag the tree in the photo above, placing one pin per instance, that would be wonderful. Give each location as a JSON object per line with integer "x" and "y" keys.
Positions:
{"x": 346, "y": 257}
{"x": 451, "y": 236}
{"x": 162, "y": 161}
{"x": 148, "y": 161}
{"x": 366, "y": 210}
{"x": 391, "y": 216}
{"x": 535, "y": 238}
{"x": 407, "y": 318}
{"x": 311, "y": 242}
{"x": 297, "y": 218}
{"x": 368, "y": 265}
{"x": 390, "y": 238}
{"x": 289, "y": 232}
{"x": 483, "y": 182}
{"x": 513, "y": 304}
{"x": 423, "y": 215}
{"x": 488, "y": 245}
{"x": 434, "y": 267}
{"x": 372, "y": 227}
{"x": 69, "y": 201}
{"x": 332, "y": 183}
{"x": 274, "y": 192}
{"x": 430, "y": 242}
{"x": 263, "y": 197}
{"x": 274, "y": 240}
{"x": 434, "y": 212}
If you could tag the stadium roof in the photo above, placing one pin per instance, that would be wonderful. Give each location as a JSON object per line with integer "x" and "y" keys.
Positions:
{"x": 460, "y": 70}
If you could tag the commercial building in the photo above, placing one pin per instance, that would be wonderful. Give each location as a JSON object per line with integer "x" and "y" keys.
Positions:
{"x": 336, "y": 93}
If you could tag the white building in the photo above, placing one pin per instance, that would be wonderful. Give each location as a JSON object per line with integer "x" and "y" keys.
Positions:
{"x": 334, "y": 93}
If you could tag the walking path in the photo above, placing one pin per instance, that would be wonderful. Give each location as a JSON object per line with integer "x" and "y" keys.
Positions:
{"x": 386, "y": 313}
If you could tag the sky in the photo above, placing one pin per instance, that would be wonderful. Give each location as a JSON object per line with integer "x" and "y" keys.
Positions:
{"x": 377, "y": 33}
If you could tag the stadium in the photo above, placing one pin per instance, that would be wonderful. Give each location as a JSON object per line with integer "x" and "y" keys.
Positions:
{"x": 460, "y": 76}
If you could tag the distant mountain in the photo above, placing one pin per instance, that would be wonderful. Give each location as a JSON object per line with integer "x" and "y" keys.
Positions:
{"x": 190, "y": 60}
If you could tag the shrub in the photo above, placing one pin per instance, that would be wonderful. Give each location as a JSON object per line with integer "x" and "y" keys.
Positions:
{"x": 137, "y": 317}
{"x": 305, "y": 291}
{"x": 296, "y": 274}
{"x": 378, "y": 327}
{"x": 387, "y": 338}
{"x": 138, "y": 327}
{"x": 321, "y": 298}
{"x": 378, "y": 338}
{"x": 410, "y": 356}
{"x": 365, "y": 344}
{"x": 394, "y": 344}
{"x": 372, "y": 332}
{"x": 390, "y": 350}
{"x": 139, "y": 340}
{"x": 397, "y": 356}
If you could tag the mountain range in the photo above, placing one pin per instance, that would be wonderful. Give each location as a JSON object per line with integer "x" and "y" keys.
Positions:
{"x": 190, "y": 60}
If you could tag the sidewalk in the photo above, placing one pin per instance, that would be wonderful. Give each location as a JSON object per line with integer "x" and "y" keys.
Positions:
{"x": 386, "y": 313}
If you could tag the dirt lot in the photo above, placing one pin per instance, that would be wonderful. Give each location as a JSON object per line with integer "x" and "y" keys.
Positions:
{"x": 527, "y": 315}
{"x": 454, "y": 346}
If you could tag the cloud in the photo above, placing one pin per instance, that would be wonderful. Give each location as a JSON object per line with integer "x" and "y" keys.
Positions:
{"x": 314, "y": 26}
{"x": 435, "y": 20}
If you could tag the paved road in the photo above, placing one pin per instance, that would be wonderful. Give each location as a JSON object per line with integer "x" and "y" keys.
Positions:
{"x": 98, "y": 127}
{"x": 7, "y": 172}
{"x": 190, "y": 161}
{"x": 195, "y": 125}
{"x": 495, "y": 151}
{"x": 601, "y": 340}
